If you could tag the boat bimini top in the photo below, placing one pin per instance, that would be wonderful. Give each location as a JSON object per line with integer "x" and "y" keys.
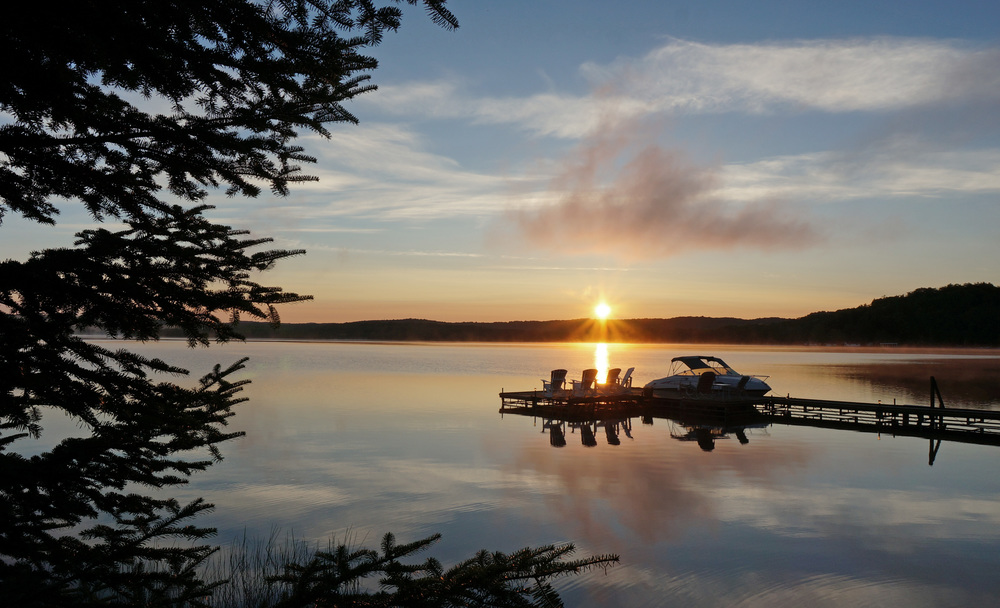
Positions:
{"x": 697, "y": 365}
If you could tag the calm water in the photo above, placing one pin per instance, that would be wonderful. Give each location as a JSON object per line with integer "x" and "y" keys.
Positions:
{"x": 360, "y": 439}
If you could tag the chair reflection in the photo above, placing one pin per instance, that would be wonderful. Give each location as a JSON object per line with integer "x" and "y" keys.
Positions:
{"x": 557, "y": 434}
{"x": 611, "y": 434}
{"x": 587, "y": 435}
{"x": 588, "y": 429}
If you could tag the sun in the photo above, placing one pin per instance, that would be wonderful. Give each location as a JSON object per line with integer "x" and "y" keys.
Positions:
{"x": 602, "y": 311}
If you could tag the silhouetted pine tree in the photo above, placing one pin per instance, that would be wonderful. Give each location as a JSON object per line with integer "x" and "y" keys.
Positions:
{"x": 137, "y": 109}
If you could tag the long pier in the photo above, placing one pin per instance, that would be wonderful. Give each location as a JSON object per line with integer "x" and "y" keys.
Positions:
{"x": 932, "y": 422}
{"x": 960, "y": 424}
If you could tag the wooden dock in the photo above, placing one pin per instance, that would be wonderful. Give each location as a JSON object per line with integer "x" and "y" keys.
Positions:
{"x": 569, "y": 398}
{"x": 967, "y": 425}
{"x": 932, "y": 422}
{"x": 565, "y": 405}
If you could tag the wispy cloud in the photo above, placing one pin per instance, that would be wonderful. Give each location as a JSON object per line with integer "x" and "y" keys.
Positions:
{"x": 380, "y": 171}
{"x": 383, "y": 252}
{"x": 828, "y": 75}
{"x": 685, "y": 77}
{"x": 560, "y": 268}
{"x": 619, "y": 194}
{"x": 905, "y": 169}
{"x": 332, "y": 229}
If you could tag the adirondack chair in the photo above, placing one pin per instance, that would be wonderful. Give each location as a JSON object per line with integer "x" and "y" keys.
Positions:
{"x": 555, "y": 384}
{"x": 610, "y": 385}
{"x": 625, "y": 382}
{"x": 587, "y": 385}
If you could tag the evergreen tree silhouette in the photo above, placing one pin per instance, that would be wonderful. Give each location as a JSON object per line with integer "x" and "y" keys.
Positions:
{"x": 137, "y": 110}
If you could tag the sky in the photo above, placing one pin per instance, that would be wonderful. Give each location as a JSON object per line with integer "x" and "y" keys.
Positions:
{"x": 711, "y": 158}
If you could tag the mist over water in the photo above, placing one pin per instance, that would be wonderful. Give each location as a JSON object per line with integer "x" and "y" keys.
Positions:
{"x": 358, "y": 439}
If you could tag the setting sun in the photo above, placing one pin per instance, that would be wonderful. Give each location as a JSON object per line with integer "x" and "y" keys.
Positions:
{"x": 602, "y": 310}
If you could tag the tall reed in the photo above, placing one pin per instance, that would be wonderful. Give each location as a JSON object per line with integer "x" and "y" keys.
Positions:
{"x": 244, "y": 566}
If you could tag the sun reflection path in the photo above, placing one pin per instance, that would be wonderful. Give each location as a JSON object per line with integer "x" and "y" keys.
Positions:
{"x": 601, "y": 361}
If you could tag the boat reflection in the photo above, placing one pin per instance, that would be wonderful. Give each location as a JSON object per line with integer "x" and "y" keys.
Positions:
{"x": 705, "y": 436}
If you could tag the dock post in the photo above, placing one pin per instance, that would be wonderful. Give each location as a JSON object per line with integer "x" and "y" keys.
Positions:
{"x": 936, "y": 392}
{"x": 936, "y": 421}
{"x": 933, "y": 450}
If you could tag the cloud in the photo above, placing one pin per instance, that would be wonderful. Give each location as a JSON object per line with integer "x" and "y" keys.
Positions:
{"x": 904, "y": 168}
{"x": 637, "y": 200}
{"x": 549, "y": 114}
{"x": 377, "y": 171}
{"x": 556, "y": 115}
{"x": 874, "y": 74}
{"x": 620, "y": 194}
{"x": 617, "y": 194}
{"x": 684, "y": 77}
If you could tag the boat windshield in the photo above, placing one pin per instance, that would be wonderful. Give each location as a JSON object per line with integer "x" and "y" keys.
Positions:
{"x": 695, "y": 366}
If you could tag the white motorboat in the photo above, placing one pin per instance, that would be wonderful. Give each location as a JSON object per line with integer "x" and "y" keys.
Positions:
{"x": 703, "y": 376}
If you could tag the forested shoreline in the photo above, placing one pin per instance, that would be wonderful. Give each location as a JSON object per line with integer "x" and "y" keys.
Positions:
{"x": 954, "y": 315}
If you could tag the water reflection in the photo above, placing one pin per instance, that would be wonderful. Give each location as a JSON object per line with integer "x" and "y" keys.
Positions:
{"x": 965, "y": 383}
{"x": 622, "y": 483}
{"x": 373, "y": 438}
{"x": 601, "y": 362}
{"x": 704, "y": 432}
{"x": 762, "y": 515}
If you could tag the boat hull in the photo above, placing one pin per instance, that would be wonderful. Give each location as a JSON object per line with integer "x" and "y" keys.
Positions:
{"x": 719, "y": 394}
{"x": 723, "y": 387}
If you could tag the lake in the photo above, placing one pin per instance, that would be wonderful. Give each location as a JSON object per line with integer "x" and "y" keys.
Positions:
{"x": 352, "y": 440}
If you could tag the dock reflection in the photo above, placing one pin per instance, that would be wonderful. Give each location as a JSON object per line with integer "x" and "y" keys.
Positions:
{"x": 615, "y": 424}
{"x": 704, "y": 427}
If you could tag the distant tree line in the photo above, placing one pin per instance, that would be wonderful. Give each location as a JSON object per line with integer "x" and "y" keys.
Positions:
{"x": 954, "y": 315}
{"x": 681, "y": 329}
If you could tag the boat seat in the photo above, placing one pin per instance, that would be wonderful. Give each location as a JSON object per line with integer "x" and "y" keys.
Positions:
{"x": 705, "y": 382}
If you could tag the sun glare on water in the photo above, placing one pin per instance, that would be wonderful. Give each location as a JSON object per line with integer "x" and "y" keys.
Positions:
{"x": 602, "y": 311}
